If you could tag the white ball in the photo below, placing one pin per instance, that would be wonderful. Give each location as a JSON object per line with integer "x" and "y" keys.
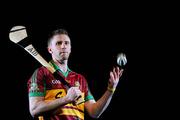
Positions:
{"x": 121, "y": 59}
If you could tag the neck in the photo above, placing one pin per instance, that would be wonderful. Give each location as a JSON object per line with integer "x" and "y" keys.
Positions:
{"x": 62, "y": 64}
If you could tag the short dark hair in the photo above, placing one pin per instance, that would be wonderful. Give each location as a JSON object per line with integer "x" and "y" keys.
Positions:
{"x": 56, "y": 32}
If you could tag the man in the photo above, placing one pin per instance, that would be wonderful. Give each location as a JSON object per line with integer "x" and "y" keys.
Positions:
{"x": 48, "y": 97}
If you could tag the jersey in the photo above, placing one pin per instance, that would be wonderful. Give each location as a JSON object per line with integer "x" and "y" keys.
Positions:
{"x": 42, "y": 83}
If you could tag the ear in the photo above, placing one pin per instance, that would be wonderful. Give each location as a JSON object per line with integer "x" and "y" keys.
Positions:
{"x": 49, "y": 50}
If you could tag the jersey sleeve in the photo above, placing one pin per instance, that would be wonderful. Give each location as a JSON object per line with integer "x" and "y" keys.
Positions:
{"x": 88, "y": 95}
{"x": 36, "y": 84}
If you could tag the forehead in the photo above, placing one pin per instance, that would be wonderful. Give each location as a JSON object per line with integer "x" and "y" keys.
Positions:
{"x": 60, "y": 37}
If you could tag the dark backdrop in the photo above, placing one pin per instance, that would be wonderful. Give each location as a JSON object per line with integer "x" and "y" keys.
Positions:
{"x": 98, "y": 34}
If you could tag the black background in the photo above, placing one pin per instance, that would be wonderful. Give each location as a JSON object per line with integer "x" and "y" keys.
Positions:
{"x": 98, "y": 33}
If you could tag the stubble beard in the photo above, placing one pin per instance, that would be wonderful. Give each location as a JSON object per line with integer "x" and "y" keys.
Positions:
{"x": 63, "y": 58}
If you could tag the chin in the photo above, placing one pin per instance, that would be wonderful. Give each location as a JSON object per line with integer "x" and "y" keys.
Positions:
{"x": 65, "y": 58}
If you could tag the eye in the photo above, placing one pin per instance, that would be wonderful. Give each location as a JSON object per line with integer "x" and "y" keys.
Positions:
{"x": 59, "y": 43}
{"x": 66, "y": 42}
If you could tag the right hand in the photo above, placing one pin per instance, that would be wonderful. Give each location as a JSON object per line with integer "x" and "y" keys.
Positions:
{"x": 73, "y": 94}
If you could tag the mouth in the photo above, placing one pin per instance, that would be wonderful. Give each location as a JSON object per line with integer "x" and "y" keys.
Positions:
{"x": 63, "y": 52}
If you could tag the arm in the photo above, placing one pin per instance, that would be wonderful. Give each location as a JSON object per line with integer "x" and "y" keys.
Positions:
{"x": 38, "y": 105}
{"x": 95, "y": 109}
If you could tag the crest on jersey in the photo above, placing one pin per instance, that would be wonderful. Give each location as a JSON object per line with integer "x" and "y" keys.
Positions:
{"x": 77, "y": 84}
{"x": 34, "y": 87}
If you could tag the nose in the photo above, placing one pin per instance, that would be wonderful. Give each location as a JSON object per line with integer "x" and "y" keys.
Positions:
{"x": 63, "y": 45}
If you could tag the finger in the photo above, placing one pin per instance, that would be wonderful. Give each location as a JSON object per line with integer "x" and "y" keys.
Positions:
{"x": 111, "y": 77}
{"x": 121, "y": 72}
{"x": 77, "y": 90}
{"x": 78, "y": 97}
{"x": 115, "y": 73}
{"x": 79, "y": 93}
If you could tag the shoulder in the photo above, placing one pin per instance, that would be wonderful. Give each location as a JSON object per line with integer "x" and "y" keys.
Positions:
{"x": 77, "y": 74}
{"x": 42, "y": 70}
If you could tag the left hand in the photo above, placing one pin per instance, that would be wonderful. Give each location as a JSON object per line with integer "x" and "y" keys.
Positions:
{"x": 115, "y": 75}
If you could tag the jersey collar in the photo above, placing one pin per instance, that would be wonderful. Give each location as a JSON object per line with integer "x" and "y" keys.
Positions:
{"x": 56, "y": 67}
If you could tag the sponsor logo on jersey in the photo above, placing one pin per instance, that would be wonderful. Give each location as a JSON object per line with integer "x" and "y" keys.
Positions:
{"x": 55, "y": 82}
